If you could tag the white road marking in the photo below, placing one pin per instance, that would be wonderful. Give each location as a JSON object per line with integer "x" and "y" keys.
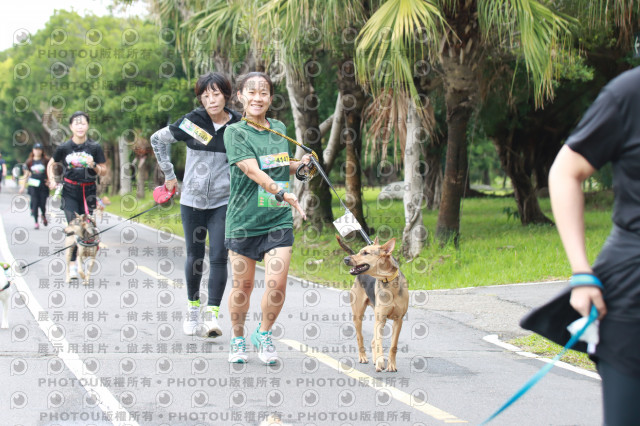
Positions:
{"x": 397, "y": 394}
{"x": 493, "y": 338}
{"x": 107, "y": 402}
{"x": 157, "y": 276}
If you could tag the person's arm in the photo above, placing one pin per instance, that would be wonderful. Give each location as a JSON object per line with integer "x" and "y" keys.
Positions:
{"x": 567, "y": 173}
{"x": 99, "y": 165}
{"x": 100, "y": 169}
{"x": 4, "y": 169}
{"x": 161, "y": 143}
{"x": 53, "y": 175}
{"x": 251, "y": 168}
{"x": 25, "y": 180}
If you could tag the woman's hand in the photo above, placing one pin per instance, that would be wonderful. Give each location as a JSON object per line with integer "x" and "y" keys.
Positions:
{"x": 293, "y": 200}
{"x": 21, "y": 190}
{"x": 583, "y": 297}
{"x": 52, "y": 184}
{"x": 170, "y": 184}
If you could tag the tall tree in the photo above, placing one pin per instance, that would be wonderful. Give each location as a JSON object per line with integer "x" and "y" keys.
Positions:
{"x": 453, "y": 34}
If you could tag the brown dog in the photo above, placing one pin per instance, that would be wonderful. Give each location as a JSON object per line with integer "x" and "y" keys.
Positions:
{"x": 82, "y": 233}
{"x": 380, "y": 284}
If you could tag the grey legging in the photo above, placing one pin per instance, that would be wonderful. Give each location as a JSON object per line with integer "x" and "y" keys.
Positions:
{"x": 196, "y": 224}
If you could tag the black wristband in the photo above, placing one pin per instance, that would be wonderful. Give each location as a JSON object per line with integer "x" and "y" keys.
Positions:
{"x": 280, "y": 195}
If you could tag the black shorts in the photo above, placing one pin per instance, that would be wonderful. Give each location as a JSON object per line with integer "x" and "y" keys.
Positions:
{"x": 255, "y": 247}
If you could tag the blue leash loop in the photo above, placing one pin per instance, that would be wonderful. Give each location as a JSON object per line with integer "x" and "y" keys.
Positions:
{"x": 544, "y": 370}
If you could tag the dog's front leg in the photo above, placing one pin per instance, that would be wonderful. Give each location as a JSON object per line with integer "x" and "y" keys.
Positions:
{"x": 376, "y": 344}
{"x": 82, "y": 255}
{"x": 358, "y": 308}
{"x": 393, "y": 350}
{"x": 69, "y": 251}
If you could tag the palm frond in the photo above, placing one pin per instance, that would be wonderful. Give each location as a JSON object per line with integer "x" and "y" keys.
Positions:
{"x": 541, "y": 35}
{"x": 399, "y": 33}
{"x": 387, "y": 115}
{"x": 623, "y": 13}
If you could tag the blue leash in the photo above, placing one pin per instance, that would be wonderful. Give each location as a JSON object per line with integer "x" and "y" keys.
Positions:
{"x": 544, "y": 370}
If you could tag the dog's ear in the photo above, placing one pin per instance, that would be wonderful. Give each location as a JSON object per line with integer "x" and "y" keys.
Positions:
{"x": 344, "y": 245}
{"x": 388, "y": 247}
{"x": 77, "y": 215}
{"x": 376, "y": 242}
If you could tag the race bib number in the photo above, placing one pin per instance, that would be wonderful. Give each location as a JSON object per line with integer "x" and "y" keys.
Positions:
{"x": 195, "y": 132}
{"x": 33, "y": 182}
{"x": 274, "y": 160}
{"x": 266, "y": 199}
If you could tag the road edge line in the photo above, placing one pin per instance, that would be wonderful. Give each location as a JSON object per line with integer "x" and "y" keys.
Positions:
{"x": 106, "y": 400}
{"x": 494, "y": 339}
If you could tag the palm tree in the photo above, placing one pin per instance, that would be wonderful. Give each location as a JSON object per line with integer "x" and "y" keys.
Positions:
{"x": 453, "y": 34}
{"x": 331, "y": 19}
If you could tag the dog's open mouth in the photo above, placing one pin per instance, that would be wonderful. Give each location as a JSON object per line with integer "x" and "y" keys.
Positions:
{"x": 358, "y": 269}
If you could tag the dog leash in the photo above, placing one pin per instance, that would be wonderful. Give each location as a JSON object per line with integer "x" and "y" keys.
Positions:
{"x": 544, "y": 370}
{"x": 5, "y": 267}
{"x": 23, "y": 267}
{"x": 314, "y": 160}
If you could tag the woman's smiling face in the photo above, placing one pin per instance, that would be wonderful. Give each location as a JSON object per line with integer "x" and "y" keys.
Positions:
{"x": 79, "y": 126}
{"x": 256, "y": 96}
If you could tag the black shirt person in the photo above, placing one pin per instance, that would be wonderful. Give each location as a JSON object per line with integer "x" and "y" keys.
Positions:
{"x": 80, "y": 161}
{"x": 609, "y": 132}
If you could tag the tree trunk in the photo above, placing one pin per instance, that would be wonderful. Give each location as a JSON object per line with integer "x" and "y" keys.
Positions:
{"x": 115, "y": 187}
{"x": 513, "y": 163}
{"x": 414, "y": 234}
{"x": 314, "y": 195}
{"x": 459, "y": 58}
{"x": 434, "y": 176}
{"x": 455, "y": 172}
{"x": 333, "y": 145}
{"x": 125, "y": 173}
{"x": 353, "y": 99}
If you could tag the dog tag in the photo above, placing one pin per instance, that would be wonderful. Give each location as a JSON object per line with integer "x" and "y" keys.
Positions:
{"x": 347, "y": 224}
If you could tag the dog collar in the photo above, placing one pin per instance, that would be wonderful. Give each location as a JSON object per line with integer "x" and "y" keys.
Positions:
{"x": 393, "y": 277}
{"x": 88, "y": 243}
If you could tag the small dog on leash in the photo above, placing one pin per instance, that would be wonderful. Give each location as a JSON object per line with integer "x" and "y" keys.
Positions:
{"x": 379, "y": 284}
{"x": 5, "y": 294}
{"x": 83, "y": 234}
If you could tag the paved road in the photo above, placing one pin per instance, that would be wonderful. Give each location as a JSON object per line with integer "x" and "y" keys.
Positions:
{"x": 113, "y": 352}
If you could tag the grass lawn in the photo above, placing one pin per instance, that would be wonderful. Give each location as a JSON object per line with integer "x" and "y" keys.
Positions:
{"x": 543, "y": 347}
{"x": 494, "y": 248}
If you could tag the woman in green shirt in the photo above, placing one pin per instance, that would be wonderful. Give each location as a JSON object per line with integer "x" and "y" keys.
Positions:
{"x": 259, "y": 221}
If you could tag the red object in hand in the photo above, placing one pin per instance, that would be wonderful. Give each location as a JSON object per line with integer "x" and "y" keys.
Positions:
{"x": 161, "y": 194}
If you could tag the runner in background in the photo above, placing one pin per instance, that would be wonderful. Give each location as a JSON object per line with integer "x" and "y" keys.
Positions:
{"x": 35, "y": 178}
{"x": 79, "y": 161}
{"x": 3, "y": 172}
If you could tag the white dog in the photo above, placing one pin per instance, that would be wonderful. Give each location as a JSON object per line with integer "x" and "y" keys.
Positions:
{"x": 5, "y": 294}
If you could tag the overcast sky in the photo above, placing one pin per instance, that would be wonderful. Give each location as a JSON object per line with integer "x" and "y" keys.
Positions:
{"x": 33, "y": 14}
